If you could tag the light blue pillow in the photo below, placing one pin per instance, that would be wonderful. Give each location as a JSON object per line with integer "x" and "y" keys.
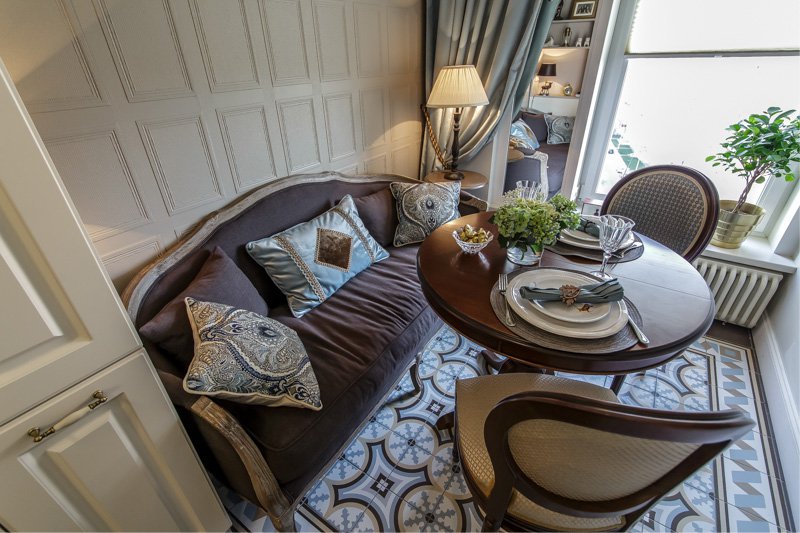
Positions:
{"x": 310, "y": 261}
{"x": 522, "y": 138}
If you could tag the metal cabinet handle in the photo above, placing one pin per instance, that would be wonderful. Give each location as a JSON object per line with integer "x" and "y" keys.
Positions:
{"x": 70, "y": 419}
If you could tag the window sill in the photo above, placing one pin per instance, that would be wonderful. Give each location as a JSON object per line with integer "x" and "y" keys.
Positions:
{"x": 754, "y": 252}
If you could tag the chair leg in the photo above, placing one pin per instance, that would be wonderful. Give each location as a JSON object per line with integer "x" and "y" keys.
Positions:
{"x": 446, "y": 421}
{"x": 285, "y": 522}
{"x": 415, "y": 382}
{"x": 616, "y": 383}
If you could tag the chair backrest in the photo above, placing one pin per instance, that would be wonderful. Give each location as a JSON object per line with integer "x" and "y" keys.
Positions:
{"x": 592, "y": 459}
{"x": 677, "y": 206}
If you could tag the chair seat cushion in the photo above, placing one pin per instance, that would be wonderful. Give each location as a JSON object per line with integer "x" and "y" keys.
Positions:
{"x": 359, "y": 341}
{"x": 475, "y": 398}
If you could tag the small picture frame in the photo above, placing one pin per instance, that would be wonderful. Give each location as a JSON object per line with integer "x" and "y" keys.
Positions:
{"x": 583, "y": 9}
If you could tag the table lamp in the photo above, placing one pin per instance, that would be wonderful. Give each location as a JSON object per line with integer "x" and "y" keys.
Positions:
{"x": 546, "y": 70}
{"x": 457, "y": 86}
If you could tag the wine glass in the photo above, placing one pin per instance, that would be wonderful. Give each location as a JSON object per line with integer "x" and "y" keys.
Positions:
{"x": 614, "y": 231}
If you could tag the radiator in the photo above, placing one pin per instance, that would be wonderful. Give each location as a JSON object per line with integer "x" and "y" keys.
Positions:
{"x": 741, "y": 293}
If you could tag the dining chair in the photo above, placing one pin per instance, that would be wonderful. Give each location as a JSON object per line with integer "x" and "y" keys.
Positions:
{"x": 541, "y": 452}
{"x": 675, "y": 205}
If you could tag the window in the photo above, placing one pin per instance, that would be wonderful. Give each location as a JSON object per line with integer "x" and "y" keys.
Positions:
{"x": 690, "y": 70}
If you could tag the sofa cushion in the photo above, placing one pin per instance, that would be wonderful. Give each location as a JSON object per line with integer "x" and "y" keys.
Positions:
{"x": 423, "y": 207}
{"x": 312, "y": 260}
{"x": 359, "y": 342}
{"x": 219, "y": 280}
{"x": 379, "y": 215}
{"x": 249, "y": 358}
{"x": 537, "y": 124}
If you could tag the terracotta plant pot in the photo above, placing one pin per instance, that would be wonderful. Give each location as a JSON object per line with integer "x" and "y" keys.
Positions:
{"x": 733, "y": 228}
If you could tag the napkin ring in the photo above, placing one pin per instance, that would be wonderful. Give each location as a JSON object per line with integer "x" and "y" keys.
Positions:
{"x": 569, "y": 294}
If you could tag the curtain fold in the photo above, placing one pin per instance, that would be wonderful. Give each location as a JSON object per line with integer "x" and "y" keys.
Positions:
{"x": 503, "y": 39}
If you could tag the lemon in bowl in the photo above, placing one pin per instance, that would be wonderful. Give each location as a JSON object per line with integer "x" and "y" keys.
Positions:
{"x": 472, "y": 240}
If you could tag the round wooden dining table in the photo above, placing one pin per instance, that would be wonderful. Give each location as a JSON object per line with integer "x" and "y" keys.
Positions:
{"x": 675, "y": 303}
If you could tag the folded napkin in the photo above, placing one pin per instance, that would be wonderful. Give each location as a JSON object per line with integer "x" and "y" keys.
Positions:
{"x": 595, "y": 293}
{"x": 589, "y": 227}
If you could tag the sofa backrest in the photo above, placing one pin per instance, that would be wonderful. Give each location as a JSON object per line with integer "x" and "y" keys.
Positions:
{"x": 265, "y": 211}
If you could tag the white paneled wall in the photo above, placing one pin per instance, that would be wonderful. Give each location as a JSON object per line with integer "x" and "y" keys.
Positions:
{"x": 156, "y": 112}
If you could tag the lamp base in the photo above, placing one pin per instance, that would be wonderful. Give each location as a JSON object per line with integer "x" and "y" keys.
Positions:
{"x": 454, "y": 175}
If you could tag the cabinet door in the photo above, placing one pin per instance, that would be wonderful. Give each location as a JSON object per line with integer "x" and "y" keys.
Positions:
{"x": 126, "y": 465}
{"x": 60, "y": 319}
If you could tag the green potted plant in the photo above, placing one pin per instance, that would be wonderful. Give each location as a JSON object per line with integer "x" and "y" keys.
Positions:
{"x": 760, "y": 146}
{"x": 526, "y": 225}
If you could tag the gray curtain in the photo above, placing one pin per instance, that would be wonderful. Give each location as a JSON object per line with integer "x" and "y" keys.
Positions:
{"x": 503, "y": 39}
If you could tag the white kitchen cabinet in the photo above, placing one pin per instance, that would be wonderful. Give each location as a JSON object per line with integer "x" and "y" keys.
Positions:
{"x": 124, "y": 465}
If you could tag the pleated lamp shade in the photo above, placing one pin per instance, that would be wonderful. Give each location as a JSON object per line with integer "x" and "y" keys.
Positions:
{"x": 457, "y": 86}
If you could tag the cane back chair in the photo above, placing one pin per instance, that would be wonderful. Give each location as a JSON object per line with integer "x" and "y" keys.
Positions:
{"x": 541, "y": 452}
{"x": 677, "y": 206}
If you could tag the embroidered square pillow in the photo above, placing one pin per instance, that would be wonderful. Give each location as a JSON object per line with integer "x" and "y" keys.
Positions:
{"x": 310, "y": 261}
{"x": 559, "y": 129}
{"x": 248, "y": 358}
{"x": 423, "y": 207}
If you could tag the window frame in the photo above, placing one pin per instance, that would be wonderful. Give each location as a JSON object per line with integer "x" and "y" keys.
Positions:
{"x": 776, "y": 192}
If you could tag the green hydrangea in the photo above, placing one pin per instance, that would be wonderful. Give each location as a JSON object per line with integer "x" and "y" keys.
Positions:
{"x": 568, "y": 217}
{"x": 526, "y": 224}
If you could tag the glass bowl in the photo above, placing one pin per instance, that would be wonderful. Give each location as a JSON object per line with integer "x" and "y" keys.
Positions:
{"x": 472, "y": 247}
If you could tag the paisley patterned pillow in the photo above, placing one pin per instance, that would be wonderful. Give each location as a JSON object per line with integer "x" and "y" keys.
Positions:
{"x": 423, "y": 207}
{"x": 559, "y": 129}
{"x": 248, "y": 358}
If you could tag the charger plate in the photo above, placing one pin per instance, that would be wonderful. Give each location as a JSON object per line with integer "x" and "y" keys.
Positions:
{"x": 562, "y": 248}
{"x": 621, "y": 340}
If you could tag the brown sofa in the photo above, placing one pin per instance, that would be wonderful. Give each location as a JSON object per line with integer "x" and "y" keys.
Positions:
{"x": 360, "y": 341}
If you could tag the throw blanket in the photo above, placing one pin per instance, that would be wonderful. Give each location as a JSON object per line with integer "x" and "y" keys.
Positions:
{"x": 595, "y": 293}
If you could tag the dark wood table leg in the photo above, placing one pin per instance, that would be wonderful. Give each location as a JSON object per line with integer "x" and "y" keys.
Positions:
{"x": 616, "y": 384}
{"x": 493, "y": 360}
{"x": 446, "y": 421}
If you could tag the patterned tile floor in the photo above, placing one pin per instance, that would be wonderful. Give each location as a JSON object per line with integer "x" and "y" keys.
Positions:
{"x": 399, "y": 474}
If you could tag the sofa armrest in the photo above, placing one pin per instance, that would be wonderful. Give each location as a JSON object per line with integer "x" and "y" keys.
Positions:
{"x": 229, "y": 441}
{"x": 532, "y": 167}
{"x": 469, "y": 204}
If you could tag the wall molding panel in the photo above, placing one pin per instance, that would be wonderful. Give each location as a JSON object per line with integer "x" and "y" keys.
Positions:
{"x": 181, "y": 161}
{"x": 151, "y": 68}
{"x": 96, "y": 172}
{"x": 330, "y": 29}
{"x": 340, "y": 126}
{"x": 124, "y": 262}
{"x": 286, "y": 45}
{"x": 226, "y": 46}
{"x": 370, "y": 25}
{"x": 375, "y": 165}
{"x": 49, "y": 82}
{"x": 373, "y": 117}
{"x": 247, "y": 145}
{"x": 300, "y": 139}
{"x": 157, "y": 112}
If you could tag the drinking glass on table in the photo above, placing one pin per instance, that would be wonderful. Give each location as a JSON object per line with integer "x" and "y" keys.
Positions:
{"x": 530, "y": 190}
{"x": 614, "y": 231}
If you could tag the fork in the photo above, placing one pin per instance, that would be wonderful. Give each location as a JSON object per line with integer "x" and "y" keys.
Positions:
{"x": 502, "y": 285}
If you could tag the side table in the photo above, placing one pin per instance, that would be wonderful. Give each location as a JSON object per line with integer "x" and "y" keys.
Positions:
{"x": 472, "y": 180}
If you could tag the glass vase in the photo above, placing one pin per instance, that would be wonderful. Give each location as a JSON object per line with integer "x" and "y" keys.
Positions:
{"x": 523, "y": 256}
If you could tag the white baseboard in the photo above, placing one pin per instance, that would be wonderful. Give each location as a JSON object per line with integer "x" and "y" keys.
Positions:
{"x": 782, "y": 409}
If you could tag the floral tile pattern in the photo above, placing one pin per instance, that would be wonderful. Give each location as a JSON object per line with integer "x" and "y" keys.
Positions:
{"x": 398, "y": 474}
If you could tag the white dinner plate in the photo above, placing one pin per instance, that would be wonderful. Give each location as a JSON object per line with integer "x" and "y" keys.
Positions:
{"x": 579, "y": 235}
{"x": 553, "y": 279}
{"x": 592, "y": 245}
{"x": 610, "y": 324}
